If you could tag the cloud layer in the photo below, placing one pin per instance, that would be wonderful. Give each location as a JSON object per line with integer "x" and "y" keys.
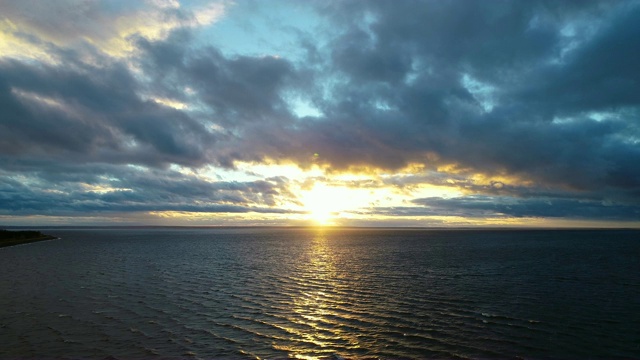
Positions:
{"x": 524, "y": 109}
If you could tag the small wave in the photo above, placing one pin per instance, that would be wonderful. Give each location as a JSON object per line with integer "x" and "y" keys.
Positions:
{"x": 139, "y": 332}
{"x": 151, "y": 351}
{"x": 110, "y": 357}
{"x": 502, "y": 317}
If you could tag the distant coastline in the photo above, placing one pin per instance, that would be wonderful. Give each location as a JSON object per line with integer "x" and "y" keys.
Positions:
{"x": 10, "y": 238}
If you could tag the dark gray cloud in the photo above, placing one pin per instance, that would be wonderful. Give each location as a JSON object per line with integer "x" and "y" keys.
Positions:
{"x": 550, "y": 67}
{"x": 598, "y": 74}
{"x": 540, "y": 207}
{"x": 510, "y": 46}
{"x": 92, "y": 114}
{"x": 59, "y": 189}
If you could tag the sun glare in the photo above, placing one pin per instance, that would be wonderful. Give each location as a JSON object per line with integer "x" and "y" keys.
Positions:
{"x": 341, "y": 199}
{"x": 319, "y": 203}
{"x": 324, "y": 203}
{"x": 321, "y": 217}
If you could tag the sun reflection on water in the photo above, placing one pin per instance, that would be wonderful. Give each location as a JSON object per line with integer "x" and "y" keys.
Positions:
{"x": 316, "y": 305}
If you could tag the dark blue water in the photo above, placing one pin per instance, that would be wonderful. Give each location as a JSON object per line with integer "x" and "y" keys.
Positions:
{"x": 307, "y": 293}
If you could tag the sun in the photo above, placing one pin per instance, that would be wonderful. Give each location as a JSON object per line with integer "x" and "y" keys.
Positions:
{"x": 322, "y": 217}
{"x": 336, "y": 203}
{"x": 323, "y": 203}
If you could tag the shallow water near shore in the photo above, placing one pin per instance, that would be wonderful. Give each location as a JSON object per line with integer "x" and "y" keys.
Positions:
{"x": 278, "y": 292}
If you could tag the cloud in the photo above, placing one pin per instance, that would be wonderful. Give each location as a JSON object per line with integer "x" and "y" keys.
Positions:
{"x": 106, "y": 25}
{"x": 59, "y": 189}
{"x": 515, "y": 105}
{"x": 485, "y": 206}
{"x": 596, "y": 75}
{"x": 405, "y": 96}
{"x": 93, "y": 114}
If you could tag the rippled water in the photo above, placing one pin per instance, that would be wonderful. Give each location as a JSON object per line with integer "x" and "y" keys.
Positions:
{"x": 276, "y": 293}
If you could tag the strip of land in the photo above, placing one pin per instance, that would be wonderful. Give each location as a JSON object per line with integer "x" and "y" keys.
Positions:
{"x": 10, "y": 238}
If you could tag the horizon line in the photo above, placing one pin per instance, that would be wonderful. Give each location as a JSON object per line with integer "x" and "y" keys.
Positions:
{"x": 470, "y": 227}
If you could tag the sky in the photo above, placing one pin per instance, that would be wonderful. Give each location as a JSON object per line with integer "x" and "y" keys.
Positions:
{"x": 352, "y": 112}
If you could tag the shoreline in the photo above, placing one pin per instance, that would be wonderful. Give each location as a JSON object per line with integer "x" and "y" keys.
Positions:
{"x": 12, "y": 238}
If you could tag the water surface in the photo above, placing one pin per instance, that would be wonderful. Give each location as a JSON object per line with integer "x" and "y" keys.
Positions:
{"x": 277, "y": 293}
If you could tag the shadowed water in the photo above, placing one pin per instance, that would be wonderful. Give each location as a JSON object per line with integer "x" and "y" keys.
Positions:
{"x": 277, "y": 293}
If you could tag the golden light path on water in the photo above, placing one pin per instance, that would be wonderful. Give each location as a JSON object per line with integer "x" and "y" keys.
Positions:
{"x": 316, "y": 304}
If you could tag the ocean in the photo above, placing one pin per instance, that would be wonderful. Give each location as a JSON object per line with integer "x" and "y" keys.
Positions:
{"x": 321, "y": 293}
